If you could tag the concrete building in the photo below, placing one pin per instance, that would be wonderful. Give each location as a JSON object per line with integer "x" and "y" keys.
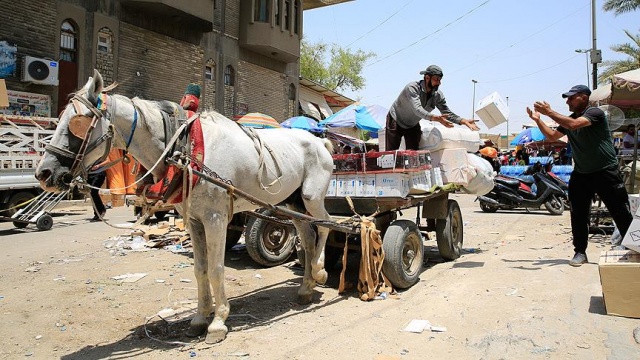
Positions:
{"x": 244, "y": 53}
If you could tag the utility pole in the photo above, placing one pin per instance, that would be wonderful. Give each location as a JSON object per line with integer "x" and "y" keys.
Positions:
{"x": 508, "y": 124}
{"x": 596, "y": 55}
{"x": 473, "y": 108}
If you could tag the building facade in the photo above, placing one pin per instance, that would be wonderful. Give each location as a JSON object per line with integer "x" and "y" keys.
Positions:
{"x": 243, "y": 53}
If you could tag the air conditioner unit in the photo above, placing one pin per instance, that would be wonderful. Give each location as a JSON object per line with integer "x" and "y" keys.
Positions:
{"x": 40, "y": 71}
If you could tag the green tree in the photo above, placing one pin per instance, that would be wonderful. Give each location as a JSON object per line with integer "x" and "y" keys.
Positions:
{"x": 632, "y": 62}
{"x": 340, "y": 70}
{"x": 621, "y": 6}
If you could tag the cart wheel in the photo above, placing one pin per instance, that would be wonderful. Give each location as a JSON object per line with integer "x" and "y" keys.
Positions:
{"x": 403, "y": 253}
{"x": 235, "y": 230}
{"x": 15, "y": 200}
{"x": 44, "y": 222}
{"x": 159, "y": 215}
{"x": 20, "y": 224}
{"x": 554, "y": 205}
{"x": 268, "y": 243}
{"x": 449, "y": 232}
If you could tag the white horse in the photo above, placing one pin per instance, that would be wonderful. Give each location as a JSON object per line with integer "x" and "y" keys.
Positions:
{"x": 304, "y": 161}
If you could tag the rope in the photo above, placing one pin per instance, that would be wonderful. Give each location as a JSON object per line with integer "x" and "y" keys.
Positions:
{"x": 260, "y": 146}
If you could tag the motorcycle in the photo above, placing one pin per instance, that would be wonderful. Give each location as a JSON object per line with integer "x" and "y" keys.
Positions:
{"x": 510, "y": 193}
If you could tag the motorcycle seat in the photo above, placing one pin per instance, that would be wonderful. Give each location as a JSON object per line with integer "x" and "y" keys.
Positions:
{"x": 508, "y": 181}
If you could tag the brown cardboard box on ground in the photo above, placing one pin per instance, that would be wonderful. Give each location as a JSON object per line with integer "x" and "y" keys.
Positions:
{"x": 620, "y": 279}
{"x": 117, "y": 200}
{"x": 4, "y": 97}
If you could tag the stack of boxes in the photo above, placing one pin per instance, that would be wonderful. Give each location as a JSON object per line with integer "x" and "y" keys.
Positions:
{"x": 383, "y": 174}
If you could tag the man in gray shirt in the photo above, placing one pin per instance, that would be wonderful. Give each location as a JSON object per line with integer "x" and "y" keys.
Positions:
{"x": 415, "y": 102}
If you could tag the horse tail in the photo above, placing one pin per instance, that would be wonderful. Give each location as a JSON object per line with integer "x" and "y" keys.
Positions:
{"x": 328, "y": 145}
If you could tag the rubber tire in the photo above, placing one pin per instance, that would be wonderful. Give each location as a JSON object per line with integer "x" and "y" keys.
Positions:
{"x": 449, "y": 232}
{"x": 403, "y": 253}
{"x": 16, "y": 199}
{"x": 44, "y": 222}
{"x": 487, "y": 207}
{"x": 554, "y": 210}
{"x": 233, "y": 235}
{"x": 263, "y": 248}
{"x": 160, "y": 215}
{"x": 20, "y": 224}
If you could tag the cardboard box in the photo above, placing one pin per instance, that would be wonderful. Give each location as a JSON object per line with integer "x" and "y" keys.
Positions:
{"x": 332, "y": 188}
{"x": 420, "y": 182}
{"x": 366, "y": 185}
{"x": 392, "y": 184}
{"x": 492, "y": 110}
{"x": 631, "y": 239}
{"x": 634, "y": 202}
{"x": 346, "y": 185}
{"x": 4, "y": 97}
{"x": 620, "y": 280}
{"x": 454, "y": 164}
{"x": 436, "y": 176}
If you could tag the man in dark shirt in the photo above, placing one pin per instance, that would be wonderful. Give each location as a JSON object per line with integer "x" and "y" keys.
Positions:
{"x": 595, "y": 166}
{"x": 415, "y": 102}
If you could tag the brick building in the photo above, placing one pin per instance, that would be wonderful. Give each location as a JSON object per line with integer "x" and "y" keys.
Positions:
{"x": 244, "y": 53}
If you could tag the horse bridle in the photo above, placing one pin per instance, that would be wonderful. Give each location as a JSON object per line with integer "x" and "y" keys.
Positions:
{"x": 81, "y": 126}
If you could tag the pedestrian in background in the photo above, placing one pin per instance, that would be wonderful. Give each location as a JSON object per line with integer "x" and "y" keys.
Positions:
{"x": 595, "y": 166}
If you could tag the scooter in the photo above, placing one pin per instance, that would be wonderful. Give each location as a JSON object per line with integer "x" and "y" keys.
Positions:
{"x": 511, "y": 193}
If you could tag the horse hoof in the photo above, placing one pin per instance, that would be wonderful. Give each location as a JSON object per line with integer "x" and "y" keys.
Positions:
{"x": 196, "y": 330}
{"x": 215, "y": 336}
{"x": 305, "y": 299}
{"x": 321, "y": 277}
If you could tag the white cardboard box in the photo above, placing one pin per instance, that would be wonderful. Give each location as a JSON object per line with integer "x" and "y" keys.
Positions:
{"x": 420, "y": 182}
{"x": 346, "y": 185}
{"x": 492, "y": 110}
{"x": 634, "y": 202}
{"x": 631, "y": 239}
{"x": 366, "y": 185}
{"x": 392, "y": 184}
{"x": 331, "y": 190}
{"x": 454, "y": 165}
{"x": 436, "y": 176}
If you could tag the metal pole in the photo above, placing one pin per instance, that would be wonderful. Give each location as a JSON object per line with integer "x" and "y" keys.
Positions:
{"x": 586, "y": 52}
{"x": 473, "y": 108}
{"x": 594, "y": 47}
{"x": 508, "y": 124}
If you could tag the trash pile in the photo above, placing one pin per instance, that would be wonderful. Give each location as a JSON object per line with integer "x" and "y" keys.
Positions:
{"x": 169, "y": 235}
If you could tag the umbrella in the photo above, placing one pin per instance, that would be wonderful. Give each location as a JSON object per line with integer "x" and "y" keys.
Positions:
{"x": 546, "y": 144}
{"x": 623, "y": 91}
{"x": 528, "y": 135}
{"x": 259, "y": 121}
{"x": 301, "y": 122}
{"x": 365, "y": 117}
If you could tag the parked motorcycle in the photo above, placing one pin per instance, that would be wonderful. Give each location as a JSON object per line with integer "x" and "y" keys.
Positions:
{"x": 511, "y": 193}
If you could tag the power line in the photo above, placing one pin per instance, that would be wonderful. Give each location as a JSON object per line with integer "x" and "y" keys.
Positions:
{"x": 377, "y": 26}
{"x": 433, "y": 33}
{"x": 533, "y": 73}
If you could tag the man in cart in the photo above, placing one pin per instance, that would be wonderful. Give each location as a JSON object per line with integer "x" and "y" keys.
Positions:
{"x": 417, "y": 101}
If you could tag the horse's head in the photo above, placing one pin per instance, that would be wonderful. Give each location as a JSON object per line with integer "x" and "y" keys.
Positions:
{"x": 82, "y": 137}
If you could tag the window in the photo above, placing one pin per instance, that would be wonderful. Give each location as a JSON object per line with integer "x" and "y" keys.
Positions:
{"x": 104, "y": 43}
{"x": 287, "y": 14}
{"x": 208, "y": 72}
{"x": 278, "y": 12}
{"x": 296, "y": 17}
{"x": 68, "y": 42}
{"x": 261, "y": 10}
{"x": 229, "y": 76}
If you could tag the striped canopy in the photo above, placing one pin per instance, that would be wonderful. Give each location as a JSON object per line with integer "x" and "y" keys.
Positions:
{"x": 258, "y": 120}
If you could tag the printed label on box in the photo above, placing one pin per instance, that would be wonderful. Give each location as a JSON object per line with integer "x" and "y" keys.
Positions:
{"x": 366, "y": 185}
{"x": 332, "y": 189}
{"x": 392, "y": 184}
{"x": 346, "y": 185}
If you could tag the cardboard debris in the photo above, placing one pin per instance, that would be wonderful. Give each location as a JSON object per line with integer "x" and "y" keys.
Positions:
{"x": 129, "y": 277}
{"x": 417, "y": 326}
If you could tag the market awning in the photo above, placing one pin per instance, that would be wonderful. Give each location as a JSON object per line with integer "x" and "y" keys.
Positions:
{"x": 314, "y": 104}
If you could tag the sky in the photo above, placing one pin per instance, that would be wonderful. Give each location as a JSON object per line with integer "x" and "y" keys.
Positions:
{"x": 524, "y": 50}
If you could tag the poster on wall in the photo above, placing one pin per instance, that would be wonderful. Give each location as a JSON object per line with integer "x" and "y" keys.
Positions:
{"x": 27, "y": 104}
{"x": 8, "y": 57}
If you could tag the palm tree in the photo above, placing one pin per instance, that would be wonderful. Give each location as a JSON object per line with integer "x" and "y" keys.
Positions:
{"x": 632, "y": 50}
{"x": 621, "y": 6}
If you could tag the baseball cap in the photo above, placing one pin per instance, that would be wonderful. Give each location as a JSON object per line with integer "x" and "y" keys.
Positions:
{"x": 432, "y": 70}
{"x": 578, "y": 89}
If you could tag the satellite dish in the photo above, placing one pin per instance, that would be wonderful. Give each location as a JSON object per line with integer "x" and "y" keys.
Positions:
{"x": 615, "y": 116}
